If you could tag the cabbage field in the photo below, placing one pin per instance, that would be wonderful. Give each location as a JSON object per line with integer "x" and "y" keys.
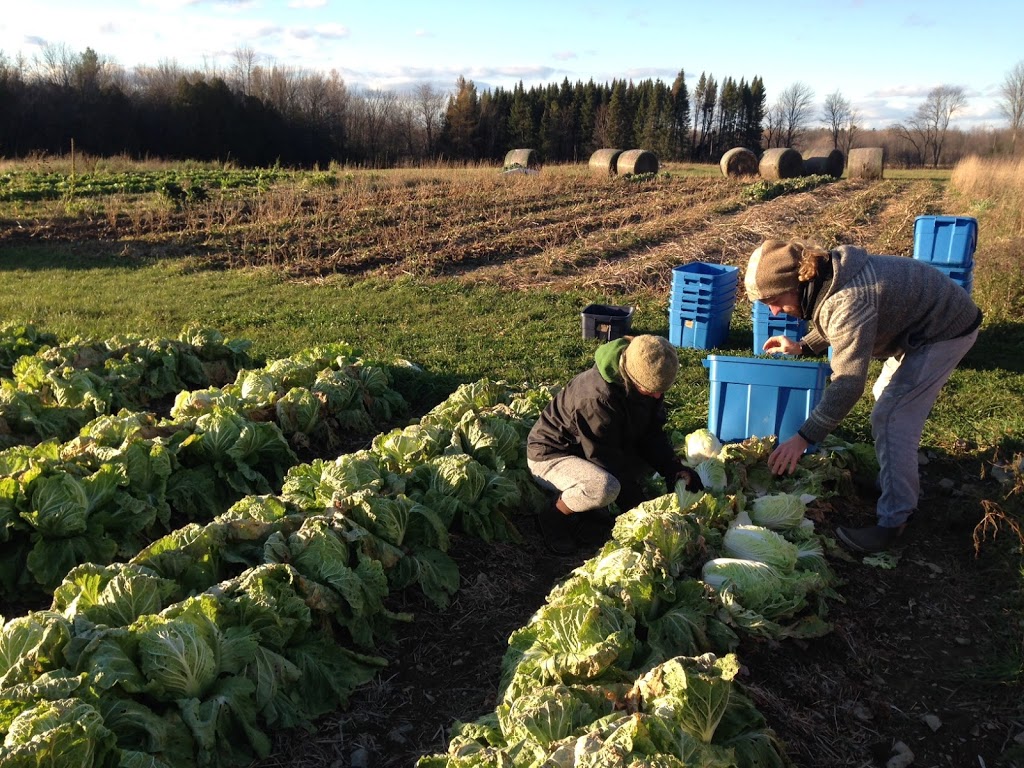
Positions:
{"x": 263, "y": 495}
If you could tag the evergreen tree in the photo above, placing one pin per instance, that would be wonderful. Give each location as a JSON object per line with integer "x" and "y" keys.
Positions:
{"x": 752, "y": 122}
{"x": 729, "y": 108}
{"x": 462, "y": 120}
{"x": 679, "y": 127}
{"x": 620, "y": 116}
{"x": 520, "y": 120}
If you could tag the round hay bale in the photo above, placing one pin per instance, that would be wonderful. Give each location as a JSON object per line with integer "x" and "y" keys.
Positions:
{"x": 637, "y": 161}
{"x": 780, "y": 163}
{"x": 604, "y": 160}
{"x": 524, "y": 158}
{"x": 739, "y": 161}
{"x": 818, "y": 163}
{"x": 866, "y": 163}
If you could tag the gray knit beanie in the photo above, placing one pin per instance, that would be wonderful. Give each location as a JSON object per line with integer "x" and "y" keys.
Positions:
{"x": 773, "y": 269}
{"x": 651, "y": 362}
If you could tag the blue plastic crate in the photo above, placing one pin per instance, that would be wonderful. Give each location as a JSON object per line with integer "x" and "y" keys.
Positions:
{"x": 699, "y": 331}
{"x": 767, "y": 325}
{"x": 699, "y": 277}
{"x": 947, "y": 240}
{"x": 759, "y": 397}
{"x": 961, "y": 275}
{"x": 704, "y": 304}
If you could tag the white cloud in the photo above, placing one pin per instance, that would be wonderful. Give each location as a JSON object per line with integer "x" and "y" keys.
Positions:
{"x": 564, "y": 55}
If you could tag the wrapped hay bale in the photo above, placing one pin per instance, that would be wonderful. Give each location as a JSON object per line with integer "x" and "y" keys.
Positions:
{"x": 739, "y": 161}
{"x": 866, "y": 163}
{"x": 604, "y": 160}
{"x": 818, "y": 163}
{"x": 780, "y": 163}
{"x": 524, "y": 158}
{"x": 634, "y": 161}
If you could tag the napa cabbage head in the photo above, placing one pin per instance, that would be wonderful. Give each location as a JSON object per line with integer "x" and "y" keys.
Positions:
{"x": 176, "y": 655}
{"x": 754, "y": 542}
{"x": 778, "y": 511}
{"x": 62, "y": 732}
{"x": 712, "y": 473}
{"x": 298, "y": 410}
{"x": 754, "y": 583}
{"x": 701, "y": 445}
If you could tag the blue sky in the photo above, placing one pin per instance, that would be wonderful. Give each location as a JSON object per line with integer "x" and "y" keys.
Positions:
{"x": 882, "y": 55}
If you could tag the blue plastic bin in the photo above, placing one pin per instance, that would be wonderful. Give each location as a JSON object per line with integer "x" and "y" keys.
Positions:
{"x": 699, "y": 331}
{"x": 759, "y": 397}
{"x": 705, "y": 279}
{"x": 708, "y": 305}
{"x": 961, "y": 275}
{"x": 946, "y": 240}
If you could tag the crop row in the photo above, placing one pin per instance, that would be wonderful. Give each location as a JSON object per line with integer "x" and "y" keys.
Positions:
{"x": 191, "y": 649}
{"x": 26, "y": 186}
{"x": 127, "y": 477}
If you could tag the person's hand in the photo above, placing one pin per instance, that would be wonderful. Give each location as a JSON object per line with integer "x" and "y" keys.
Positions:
{"x": 782, "y": 345}
{"x": 784, "y": 458}
{"x": 691, "y": 480}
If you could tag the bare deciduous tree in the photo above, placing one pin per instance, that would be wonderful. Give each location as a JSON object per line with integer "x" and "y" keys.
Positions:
{"x": 794, "y": 112}
{"x": 1011, "y": 101}
{"x": 428, "y": 106}
{"x": 926, "y": 130}
{"x": 158, "y": 83}
{"x": 837, "y": 116}
{"x": 55, "y": 65}
{"x": 244, "y": 62}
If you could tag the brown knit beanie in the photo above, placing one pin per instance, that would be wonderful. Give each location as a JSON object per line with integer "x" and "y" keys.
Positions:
{"x": 773, "y": 269}
{"x": 651, "y": 362}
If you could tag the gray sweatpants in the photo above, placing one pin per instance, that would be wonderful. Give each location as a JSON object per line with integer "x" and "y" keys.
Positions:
{"x": 583, "y": 485}
{"x": 904, "y": 394}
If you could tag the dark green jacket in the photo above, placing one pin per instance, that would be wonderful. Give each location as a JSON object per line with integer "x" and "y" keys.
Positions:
{"x": 599, "y": 417}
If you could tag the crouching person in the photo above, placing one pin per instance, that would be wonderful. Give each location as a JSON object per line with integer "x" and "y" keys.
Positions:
{"x": 600, "y": 435}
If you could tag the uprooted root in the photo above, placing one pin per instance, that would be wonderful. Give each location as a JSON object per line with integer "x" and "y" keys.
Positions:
{"x": 990, "y": 525}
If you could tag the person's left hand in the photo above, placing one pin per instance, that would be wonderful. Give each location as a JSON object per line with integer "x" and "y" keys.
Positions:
{"x": 691, "y": 480}
{"x": 784, "y": 458}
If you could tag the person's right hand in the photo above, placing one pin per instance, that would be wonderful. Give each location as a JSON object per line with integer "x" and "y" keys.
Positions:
{"x": 781, "y": 345}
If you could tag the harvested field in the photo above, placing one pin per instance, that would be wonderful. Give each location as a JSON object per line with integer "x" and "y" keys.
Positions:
{"x": 911, "y": 658}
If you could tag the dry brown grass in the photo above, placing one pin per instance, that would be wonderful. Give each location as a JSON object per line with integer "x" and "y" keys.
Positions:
{"x": 993, "y": 192}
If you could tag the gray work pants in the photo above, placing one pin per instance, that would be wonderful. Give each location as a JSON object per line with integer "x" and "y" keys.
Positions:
{"x": 582, "y": 484}
{"x": 904, "y": 395}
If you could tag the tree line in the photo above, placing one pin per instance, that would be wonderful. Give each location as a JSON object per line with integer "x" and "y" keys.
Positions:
{"x": 255, "y": 113}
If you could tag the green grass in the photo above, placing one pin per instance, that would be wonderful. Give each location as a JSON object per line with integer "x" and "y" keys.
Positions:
{"x": 456, "y": 332}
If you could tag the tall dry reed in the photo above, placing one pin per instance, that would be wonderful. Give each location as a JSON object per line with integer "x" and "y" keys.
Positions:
{"x": 992, "y": 190}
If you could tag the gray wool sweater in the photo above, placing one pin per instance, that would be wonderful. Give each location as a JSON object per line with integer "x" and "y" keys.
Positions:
{"x": 877, "y": 306}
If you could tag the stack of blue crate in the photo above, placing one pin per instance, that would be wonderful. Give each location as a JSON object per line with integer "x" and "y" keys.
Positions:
{"x": 948, "y": 243}
{"x": 767, "y": 325}
{"x": 701, "y": 303}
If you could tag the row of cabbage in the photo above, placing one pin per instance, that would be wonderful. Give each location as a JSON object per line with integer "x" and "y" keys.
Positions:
{"x": 50, "y": 389}
{"x": 210, "y": 638}
{"x": 126, "y": 479}
{"x": 631, "y": 660}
